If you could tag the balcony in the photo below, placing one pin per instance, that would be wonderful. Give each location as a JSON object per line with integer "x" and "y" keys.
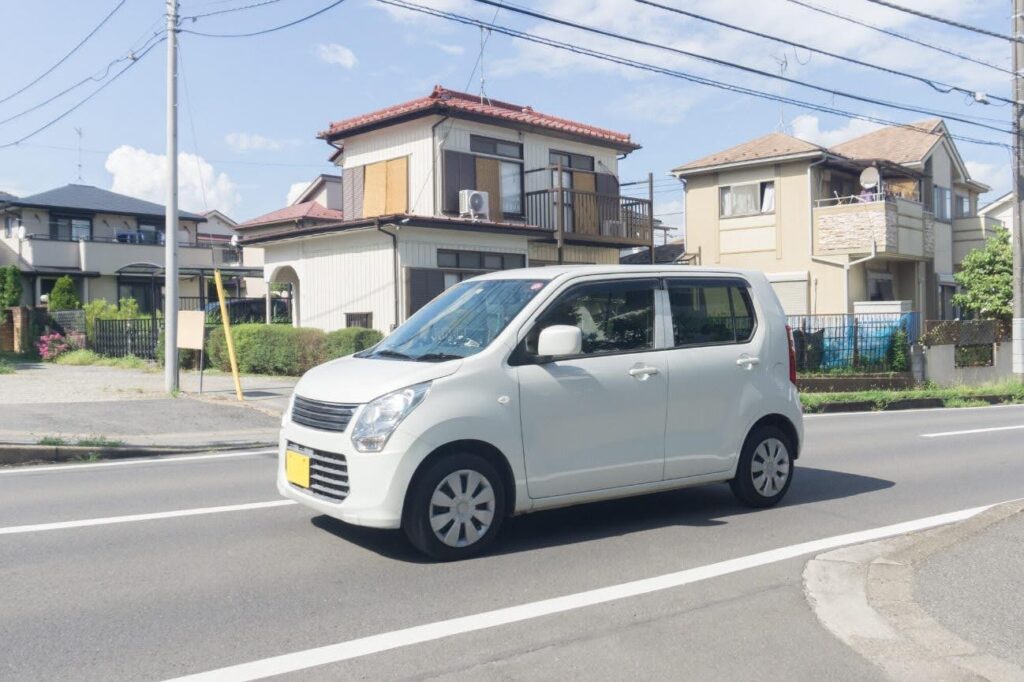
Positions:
{"x": 107, "y": 256}
{"x": 896, "y": 226}
{"x": 591, "y": 218}
{"x": 971, "y": 233}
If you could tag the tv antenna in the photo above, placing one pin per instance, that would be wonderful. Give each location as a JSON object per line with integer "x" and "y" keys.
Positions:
{"x": 78, "y": 131}
{"x": 783, "y": 63}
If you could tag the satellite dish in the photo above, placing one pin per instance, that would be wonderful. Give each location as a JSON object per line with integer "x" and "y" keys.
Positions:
{"x": 234, "y": 240}
{"x": 869, "y": 178}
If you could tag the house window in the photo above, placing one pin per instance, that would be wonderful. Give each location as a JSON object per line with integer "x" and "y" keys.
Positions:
{"x": 710, "y": 312}
{"x": 748, "y": 199}
{"x": 8, "y": 226}
{"x": 364, "y": 320}
{"x": 68, "y": 228}
{"x": 880, "y": 286}
{"x": 511, "y": 188}
{"x": 479, "y": 261}
{"x": 140, "y": 290}
{"x": 150, "y": 233}
{"x": 573, "y": 161}
{"x": 493, "y": 147}
{"x": 942, "y": 203}
{"x": 963, "y": 206}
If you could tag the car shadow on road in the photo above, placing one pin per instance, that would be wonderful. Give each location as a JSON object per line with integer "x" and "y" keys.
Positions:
{"x": 702, "y": 506}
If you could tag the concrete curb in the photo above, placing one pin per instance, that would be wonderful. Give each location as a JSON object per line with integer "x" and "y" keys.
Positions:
{"x": 18, "y": 454}
{"x": 903, "y": 404}
{"x": 864, "y": 595}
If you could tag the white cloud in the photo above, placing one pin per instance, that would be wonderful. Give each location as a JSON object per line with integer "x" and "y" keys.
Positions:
{"x": 142, "y": 174}
{"x": 454, "y": 50}
{"x": 995, "y": 175}
{"x": 808, "y": 128}
{"x": 295, "y": 190}
{"x": 663, "y": 103}
{"x": 247, "y": 142}
{"x": 334, "y": 53}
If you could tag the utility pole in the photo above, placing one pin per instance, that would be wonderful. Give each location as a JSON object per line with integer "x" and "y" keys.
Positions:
{"x": 1017, "y": 237}
{"x": 171, "y": 218}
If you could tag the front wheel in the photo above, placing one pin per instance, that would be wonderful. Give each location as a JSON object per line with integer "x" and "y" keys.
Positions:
{"x": 455, "y": 507}
{"x": 765, "y": 469}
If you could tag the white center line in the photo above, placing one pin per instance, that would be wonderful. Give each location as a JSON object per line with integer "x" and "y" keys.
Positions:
{"x": 104, "y": 521}
{"x": 364, "y": 646}
{"x": 166, "y": 459}
{"x": 968, "y": 431}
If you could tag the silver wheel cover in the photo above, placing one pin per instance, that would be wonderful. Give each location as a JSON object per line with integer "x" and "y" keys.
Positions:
{"x": 461, "y": 509}
{"x": 770, "y": 467}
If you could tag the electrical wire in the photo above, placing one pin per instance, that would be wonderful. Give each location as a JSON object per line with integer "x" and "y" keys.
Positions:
{"x": 229, "y": 10}
{"x": 948, "y": 22}
{"x": 63, "y": 59}
{"x": 936, "y": 85}
{"x": 623, "y": 61}
{"x": 267, "y": 30}
{"x": 192, "y": 127}
{"x": 740, "y": 67}
{"x": 901, "y": 36}
{"x": 228, "y": 162}
{"x": 88, "y": 97}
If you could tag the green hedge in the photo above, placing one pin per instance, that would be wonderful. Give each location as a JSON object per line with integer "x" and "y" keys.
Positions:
{"x": 285, "y": 350}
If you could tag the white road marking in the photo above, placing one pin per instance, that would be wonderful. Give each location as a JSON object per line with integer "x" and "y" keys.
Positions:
{"x": 104, "y": 521}
{"x": 166, "y": 459}
{"x": 916, "y": 410}
{"x": 968, "y": 431}
{"x": 364, "y": 646}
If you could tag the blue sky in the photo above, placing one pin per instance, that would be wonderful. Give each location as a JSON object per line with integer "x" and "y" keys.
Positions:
{"x": 256, "y": 104}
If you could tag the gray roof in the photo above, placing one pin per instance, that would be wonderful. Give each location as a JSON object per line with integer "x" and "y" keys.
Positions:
{"x": 666, "y": 253}
{"x": 4, "y": 196}
{"x": 95, "y": 200}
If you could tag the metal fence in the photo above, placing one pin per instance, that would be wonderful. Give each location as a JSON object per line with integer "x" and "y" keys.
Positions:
{"x": 877, "y": 342}
{"x": 68, "y": 321}
{"x": 120, "y": 338}
{"x": 240, "y": 309}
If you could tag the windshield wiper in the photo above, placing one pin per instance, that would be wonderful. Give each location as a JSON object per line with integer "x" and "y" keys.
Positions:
{"x": 436, "y": 357}
{"x": 385, "y": 353}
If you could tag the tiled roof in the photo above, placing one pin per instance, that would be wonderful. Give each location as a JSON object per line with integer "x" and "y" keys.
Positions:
{"x": 309, "y": 210}
{"x": 444, "y": 101}
{"x": 4, "y": 196}
{"x": 666, "y": 253}
{"x": 96, "y": 200}
{"x": 764, "y": 147}
{"x": 899, "y": 144}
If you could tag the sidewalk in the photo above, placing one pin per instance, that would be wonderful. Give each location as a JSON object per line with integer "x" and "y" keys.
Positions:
{"x": 67, "y": 403}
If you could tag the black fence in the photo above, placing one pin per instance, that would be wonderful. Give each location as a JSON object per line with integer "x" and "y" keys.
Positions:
{"x": 876, "y": 342}
{"x": 121, "y": 338}
{"x": 240, "y": 309}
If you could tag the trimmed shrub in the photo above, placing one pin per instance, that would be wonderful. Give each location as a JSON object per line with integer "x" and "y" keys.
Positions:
{"x": 10, "y": 286}
{"x": 268, "y": 349}
{"x": 63, "y": 296}
{"x": 188, "y": 358}
{"x": 349, "y": 340}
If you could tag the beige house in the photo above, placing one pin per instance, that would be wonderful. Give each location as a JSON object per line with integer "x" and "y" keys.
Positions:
{"x": 999, "y": 210}
{"x": 439, "y": 189}
{"x": 879, "y": 222}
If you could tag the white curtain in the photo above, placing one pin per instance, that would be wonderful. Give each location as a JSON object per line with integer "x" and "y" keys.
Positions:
{"x": 768, "y": 201}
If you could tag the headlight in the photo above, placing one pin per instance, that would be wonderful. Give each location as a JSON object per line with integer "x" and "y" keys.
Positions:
{"x": 382, "y": 415}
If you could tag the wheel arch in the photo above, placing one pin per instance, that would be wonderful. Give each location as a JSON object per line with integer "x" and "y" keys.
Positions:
{"x": 782, "y": 423}
{"x": 478, "y": 447}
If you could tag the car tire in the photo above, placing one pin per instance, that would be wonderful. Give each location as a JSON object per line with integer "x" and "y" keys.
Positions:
{"x": 765, "y": 469}
{"x": 455, "y": 507}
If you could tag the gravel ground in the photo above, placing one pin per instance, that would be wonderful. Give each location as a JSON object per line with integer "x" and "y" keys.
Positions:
{"x": 974, "y": 589}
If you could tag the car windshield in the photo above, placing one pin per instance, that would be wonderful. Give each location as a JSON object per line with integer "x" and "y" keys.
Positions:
{"x": 460, "y": 322}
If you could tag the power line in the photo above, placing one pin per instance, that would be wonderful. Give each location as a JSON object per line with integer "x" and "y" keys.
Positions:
{"x": 192, "y": 126}
{"x": 740, "y": 67}
{"x": 623, "y": 61}
{"x": 937, "y": 85}
{"x": 88, "y": 97}
{"x": 226, "y": 162}
{"x": 901, "y": 36}
{"x": 230, "y": 10}
{"x": 948, "y": 22}
{"x": 63, "y": 59}
{"x": 267, "y": 30}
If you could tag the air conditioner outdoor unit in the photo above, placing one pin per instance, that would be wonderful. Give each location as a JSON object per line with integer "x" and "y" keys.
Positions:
{"x": 475, "y": 204}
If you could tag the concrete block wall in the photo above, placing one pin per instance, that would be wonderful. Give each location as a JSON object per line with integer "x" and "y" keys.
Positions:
{"x": 941, "y": 369}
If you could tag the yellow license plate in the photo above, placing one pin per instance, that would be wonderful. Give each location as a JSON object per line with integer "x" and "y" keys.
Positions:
{"x": 296, "y": 468}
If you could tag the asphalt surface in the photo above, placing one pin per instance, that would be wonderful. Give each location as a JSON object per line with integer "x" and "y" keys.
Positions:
{"x": 159, "y": 598}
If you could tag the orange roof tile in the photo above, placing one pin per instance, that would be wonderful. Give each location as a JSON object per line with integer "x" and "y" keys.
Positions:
{"x": 764, "y": 147}
{"x": 309, "y": 210}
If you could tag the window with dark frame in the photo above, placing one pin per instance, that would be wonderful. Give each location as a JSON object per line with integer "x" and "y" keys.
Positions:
{"x": 570, "y": 160}
{"x": 70, "y": 228}
{"x": 495, "y": 147}
{"x": 364, "y": 320}
{"x": 710, "y": 313}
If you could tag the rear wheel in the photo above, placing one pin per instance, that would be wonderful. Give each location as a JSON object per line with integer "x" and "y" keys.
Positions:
{"x": 765, "y": 469}
{"x": 455, "y": 507}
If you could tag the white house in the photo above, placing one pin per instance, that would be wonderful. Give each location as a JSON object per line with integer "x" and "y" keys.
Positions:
{"x": 548, "y": 187}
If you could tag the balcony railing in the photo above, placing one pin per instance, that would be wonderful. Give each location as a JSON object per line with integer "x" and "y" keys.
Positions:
{"x": 126, "y": 238}
{"x": 588, "y": 216}
{"x": 887, "y": 224}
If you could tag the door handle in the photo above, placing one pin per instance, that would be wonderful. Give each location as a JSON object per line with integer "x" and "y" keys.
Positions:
{"x": 643, "y": 371}
{"x": 748, "y": 362}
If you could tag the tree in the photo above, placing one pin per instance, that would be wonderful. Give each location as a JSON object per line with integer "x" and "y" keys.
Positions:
{"x": 63, "y": 296}
{"x": 986, "y": 279}
{"x": 10, "y": 287}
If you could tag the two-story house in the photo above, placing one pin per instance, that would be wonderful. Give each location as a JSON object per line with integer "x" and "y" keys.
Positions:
{"x": 886, "y": 216}
{"x": 547, "y": 191}
{"x": 111, "y": 245}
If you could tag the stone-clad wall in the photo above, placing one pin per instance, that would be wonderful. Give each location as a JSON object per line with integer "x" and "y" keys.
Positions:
{"x": 851, "y": 228}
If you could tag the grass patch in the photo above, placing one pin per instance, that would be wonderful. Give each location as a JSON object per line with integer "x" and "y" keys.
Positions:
{"x": 952, "y": 396}
{"x": 99, "y": 442}
{"x": 83, "y": 357}
{"x": 52, "y": 440}
{"x": 5, "y": 367}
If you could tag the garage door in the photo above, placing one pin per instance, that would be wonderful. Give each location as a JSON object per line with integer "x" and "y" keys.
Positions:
{"x": 793, "y": 295}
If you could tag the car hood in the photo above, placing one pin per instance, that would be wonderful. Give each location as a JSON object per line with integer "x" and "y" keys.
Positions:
{"x": 360, "y": 380}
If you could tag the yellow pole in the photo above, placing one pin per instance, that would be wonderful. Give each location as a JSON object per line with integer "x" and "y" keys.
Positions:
{"x": 227, "y": 334}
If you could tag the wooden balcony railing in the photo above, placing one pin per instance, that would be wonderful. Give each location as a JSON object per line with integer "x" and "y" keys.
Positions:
{"x": 591, "y": 217}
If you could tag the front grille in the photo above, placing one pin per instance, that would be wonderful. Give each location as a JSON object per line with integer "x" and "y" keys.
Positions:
{"x": 320, "y": 415}
{"x": 328, "y": 473}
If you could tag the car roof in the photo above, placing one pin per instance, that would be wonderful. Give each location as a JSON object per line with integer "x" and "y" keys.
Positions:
{"x": 551, "y": 272}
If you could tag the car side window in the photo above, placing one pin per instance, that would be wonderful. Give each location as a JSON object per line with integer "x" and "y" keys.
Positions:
{"x": 614, "y": 316}
{"x": 706, "y": 312}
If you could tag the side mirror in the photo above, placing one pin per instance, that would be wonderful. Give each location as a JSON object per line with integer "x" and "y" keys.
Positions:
{"x": 559, "y": 340}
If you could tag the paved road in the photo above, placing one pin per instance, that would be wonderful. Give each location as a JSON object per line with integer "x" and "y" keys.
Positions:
{"x": 155, "y": 598}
